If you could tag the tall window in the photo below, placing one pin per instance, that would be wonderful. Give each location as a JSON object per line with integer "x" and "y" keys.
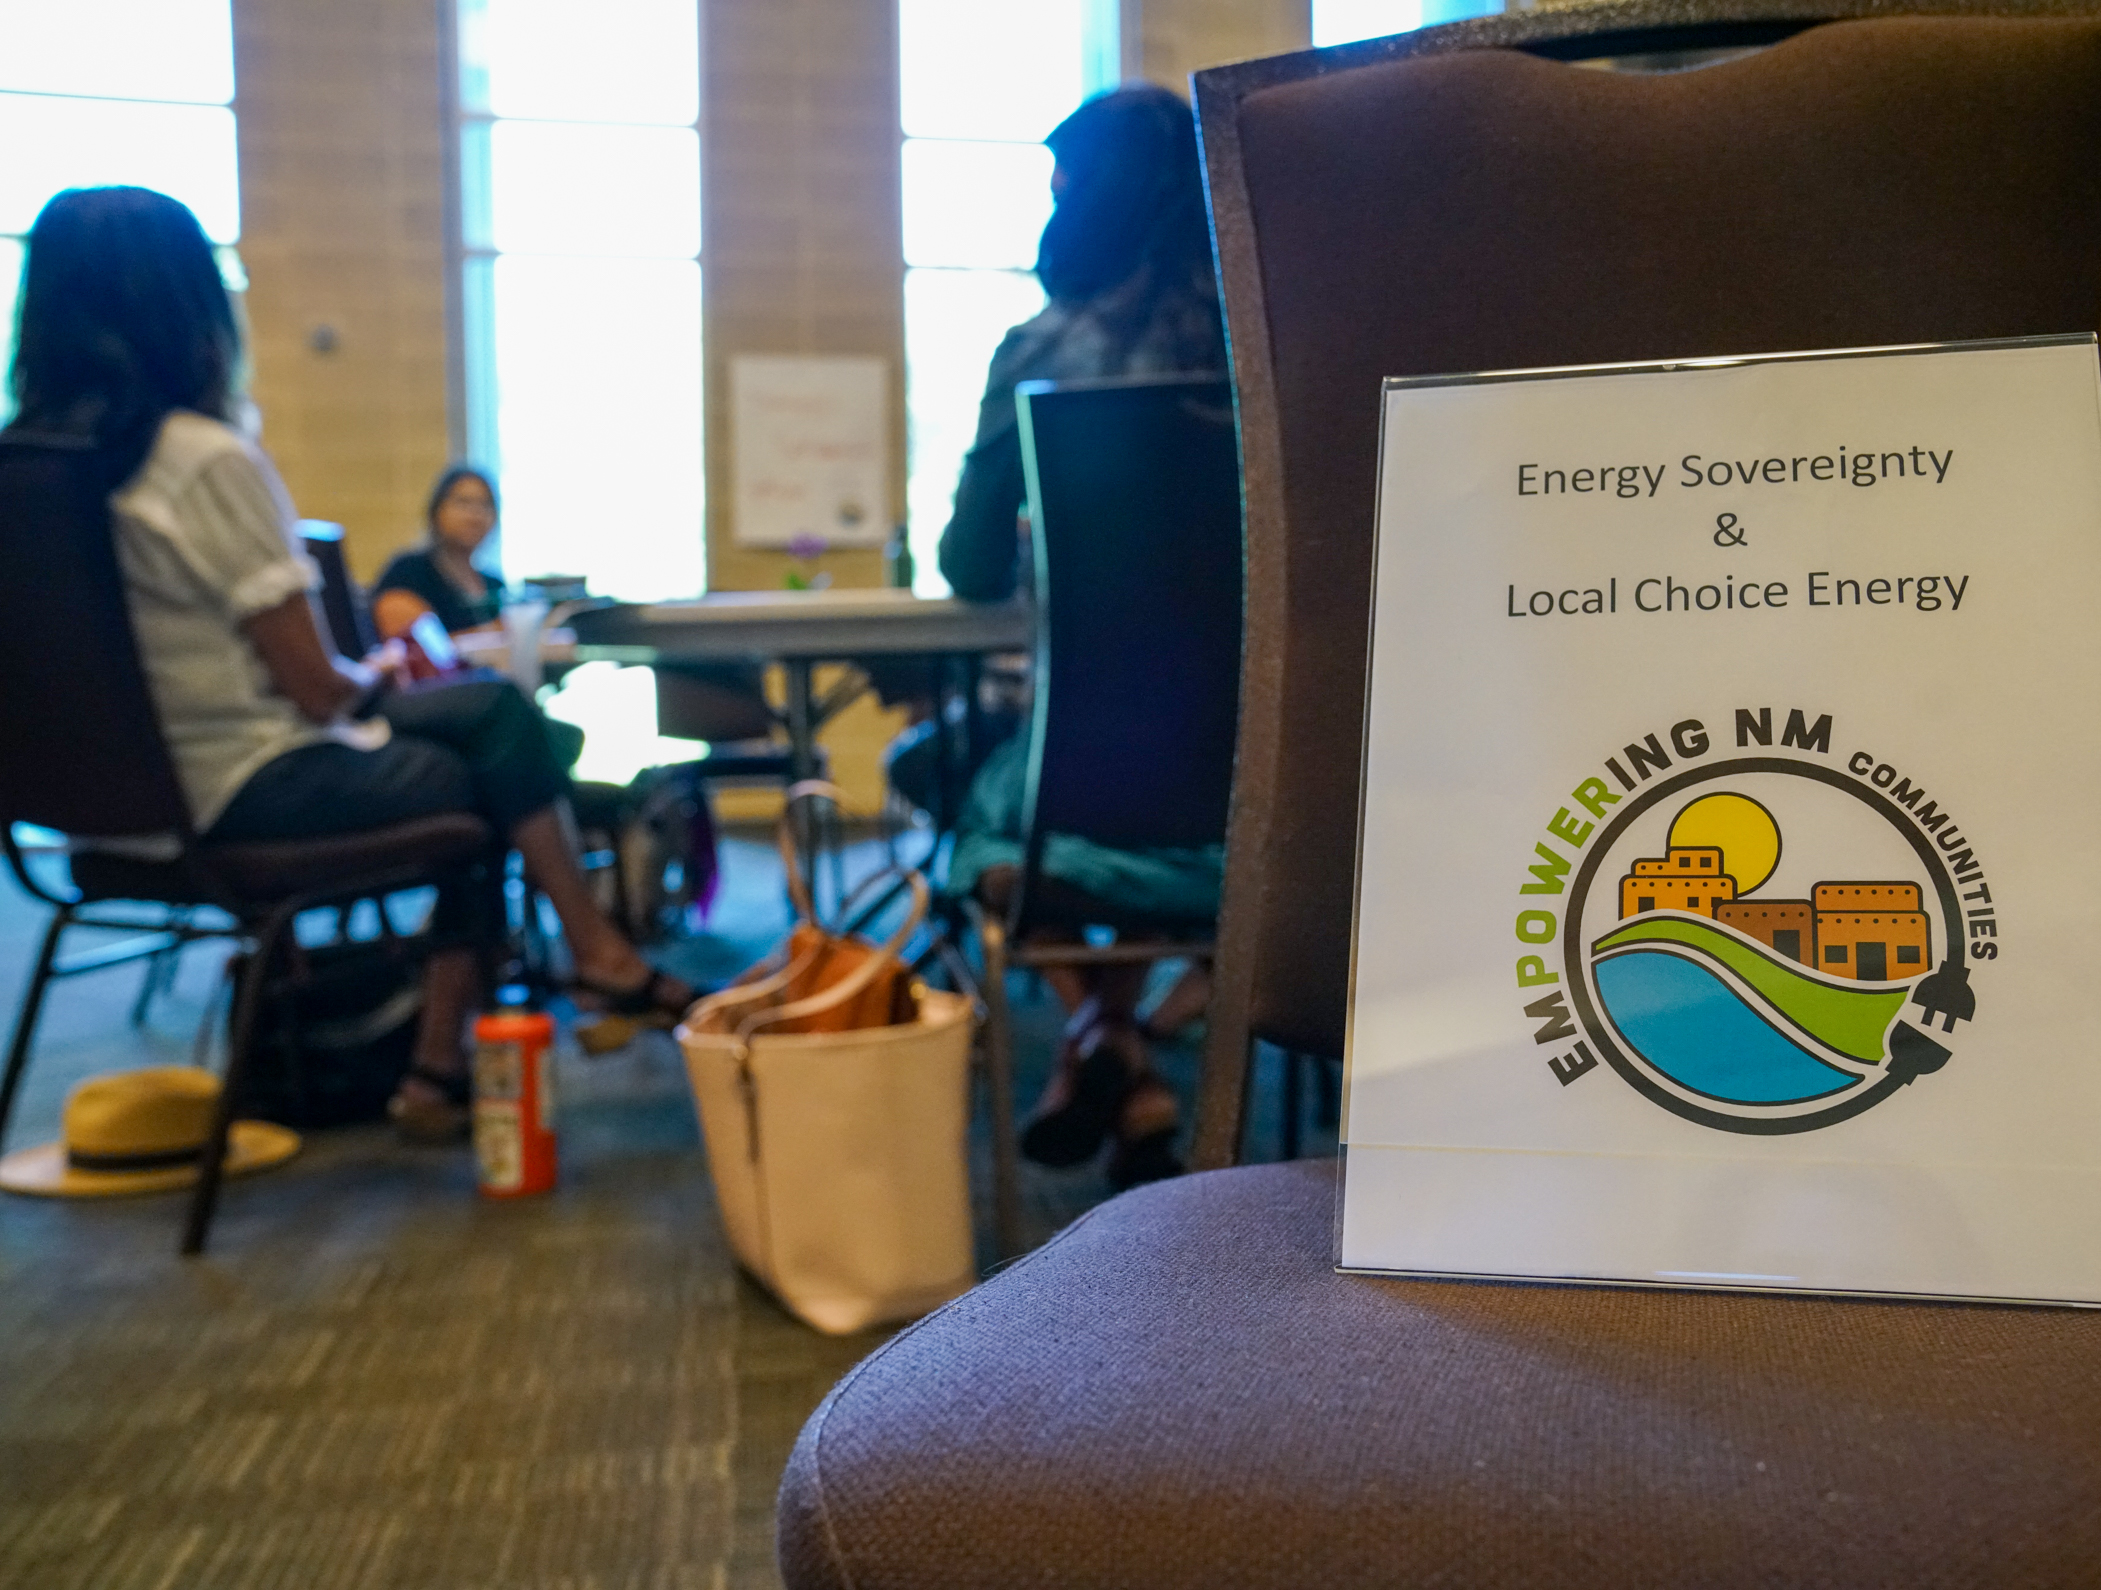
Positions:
{"x": 580, "y": 297}
{"x": 114, "y": 91}
{"x": 982, "y": 82}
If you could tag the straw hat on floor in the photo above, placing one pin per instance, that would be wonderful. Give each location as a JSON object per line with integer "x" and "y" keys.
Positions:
{"x": 140, "y": 1131}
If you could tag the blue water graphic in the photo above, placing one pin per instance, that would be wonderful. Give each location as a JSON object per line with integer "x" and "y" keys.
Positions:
{"x": 1696, "y": 1029}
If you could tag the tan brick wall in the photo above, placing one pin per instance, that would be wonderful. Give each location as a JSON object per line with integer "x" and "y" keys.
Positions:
{"x": 803, "y": 255}
{"x": 801, "y": 230}
{"x": 342, "y": 142}
{"x": 1178, "y": 37}
{"x": 343, "y": 147}
{"x": 343, "y": 160}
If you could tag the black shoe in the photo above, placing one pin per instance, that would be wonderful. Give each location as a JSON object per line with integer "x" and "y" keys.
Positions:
{"x": 1078, "y": 1108}
{"x": 1145, "y": 1135}
{"x": 1147, "y": 1159}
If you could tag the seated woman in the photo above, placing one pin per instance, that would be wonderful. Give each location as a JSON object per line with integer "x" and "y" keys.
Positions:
{"x": 441, "y": 577}
{"x": 1126, "y": 261}
{"x": 695, "y": 701}
{"x": 128, "y": 337}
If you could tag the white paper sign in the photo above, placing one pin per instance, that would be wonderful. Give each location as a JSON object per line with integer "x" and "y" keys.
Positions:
{"x": 1729, "y": 897}
{"x": 812, "y": 448}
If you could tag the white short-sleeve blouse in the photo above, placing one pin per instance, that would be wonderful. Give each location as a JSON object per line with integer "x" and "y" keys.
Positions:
{"x": 206, "y": 538}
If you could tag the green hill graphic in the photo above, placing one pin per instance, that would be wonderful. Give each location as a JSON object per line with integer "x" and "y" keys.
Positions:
{"x": 1844, "y": 1016}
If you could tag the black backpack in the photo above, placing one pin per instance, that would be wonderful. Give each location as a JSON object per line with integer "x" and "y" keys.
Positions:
{"x": 333, "y": 1049}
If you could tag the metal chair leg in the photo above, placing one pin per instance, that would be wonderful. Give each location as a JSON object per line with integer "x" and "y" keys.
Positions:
{"x": 999, "y": 1075}
{"x": 240, "y": 1044}
{"x": 26, "y": 1017}
{"x": 160, "y": 971}
{"x": 1294, "y": 1102}
{"x": 148, "y": 986}
{"x": 207, "y": 1022}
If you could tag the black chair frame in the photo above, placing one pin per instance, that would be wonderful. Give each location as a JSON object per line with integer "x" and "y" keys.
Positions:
{"x": 1139, "y": 455}
{"x": 272, "y": 966}
{"x": 78, "y": 693}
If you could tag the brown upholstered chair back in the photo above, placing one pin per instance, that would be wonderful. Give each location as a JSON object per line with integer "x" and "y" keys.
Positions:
{"x": 1411, "y": 209}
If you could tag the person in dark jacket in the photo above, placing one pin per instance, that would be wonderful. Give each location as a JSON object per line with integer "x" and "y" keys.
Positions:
{"x": 1126, "y": 262}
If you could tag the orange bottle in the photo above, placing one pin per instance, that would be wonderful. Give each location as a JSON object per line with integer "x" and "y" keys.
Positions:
{"x": 514, "y": 1143}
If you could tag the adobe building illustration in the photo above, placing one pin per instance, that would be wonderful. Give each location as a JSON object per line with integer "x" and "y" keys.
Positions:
{"x": 1786, "y": 927}
{"x": 1688, "y": 878}
{"x": 1871, "y": 932}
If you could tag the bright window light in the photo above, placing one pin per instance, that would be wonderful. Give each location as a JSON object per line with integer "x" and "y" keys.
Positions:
{"x": 975, "y": 204}
{"x": 953, "y": 321}
{"x": 1007, "y": 69}
{"x": 565, "y": 188}
{"x": 598, "y": 421}
{"x": 616, "y": 707}
{"x": 580, "y": 297}
{"x": 556, "y": 60}
{"x": 118, "y": 49}
{"x": 11, "y": 253}
{"x": 186, "y": 151}
{"x": 981, "y": 82}
{"x": 101, "y": 92}
{"x": 1342, "y": 21}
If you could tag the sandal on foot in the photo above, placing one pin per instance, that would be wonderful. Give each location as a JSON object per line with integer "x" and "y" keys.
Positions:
{"x": 656, "y": 998}
{"x": 606, "y": 1035}
{"x": 445, "y": 1119}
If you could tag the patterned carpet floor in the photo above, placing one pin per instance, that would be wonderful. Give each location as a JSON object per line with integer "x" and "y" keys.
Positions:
{"x": 377, "y": 1379}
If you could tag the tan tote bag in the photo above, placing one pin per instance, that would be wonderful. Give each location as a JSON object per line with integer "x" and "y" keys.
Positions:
{"x": 839, "y": 1158}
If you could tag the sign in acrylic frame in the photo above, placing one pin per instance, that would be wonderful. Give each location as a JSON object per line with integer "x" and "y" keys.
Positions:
{"x": 1729, "y": 900}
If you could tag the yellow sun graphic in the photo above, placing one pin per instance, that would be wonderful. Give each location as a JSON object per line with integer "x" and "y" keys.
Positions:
{"x": 1745, "y": 830}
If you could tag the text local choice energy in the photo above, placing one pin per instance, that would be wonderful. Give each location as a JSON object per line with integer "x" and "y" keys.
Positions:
{"x": 1924, "y": 593}
{"x": 1696, "y": 470}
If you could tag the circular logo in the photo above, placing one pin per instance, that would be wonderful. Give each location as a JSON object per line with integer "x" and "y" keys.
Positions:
{"x": 1767, "y": 945}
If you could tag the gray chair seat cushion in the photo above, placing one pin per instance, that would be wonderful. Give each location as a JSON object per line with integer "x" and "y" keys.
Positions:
{"x": 261, "y": 871}
{"x": 1180, "y": 1391}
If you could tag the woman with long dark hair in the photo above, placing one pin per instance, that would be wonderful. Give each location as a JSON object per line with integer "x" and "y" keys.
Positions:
{"x": 129, "y": 340}
{"x": 1126, "y": 262}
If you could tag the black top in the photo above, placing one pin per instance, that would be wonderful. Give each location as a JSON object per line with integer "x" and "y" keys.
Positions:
{"x": 1134, "y": 329}
{"x": 418, "y": 574}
